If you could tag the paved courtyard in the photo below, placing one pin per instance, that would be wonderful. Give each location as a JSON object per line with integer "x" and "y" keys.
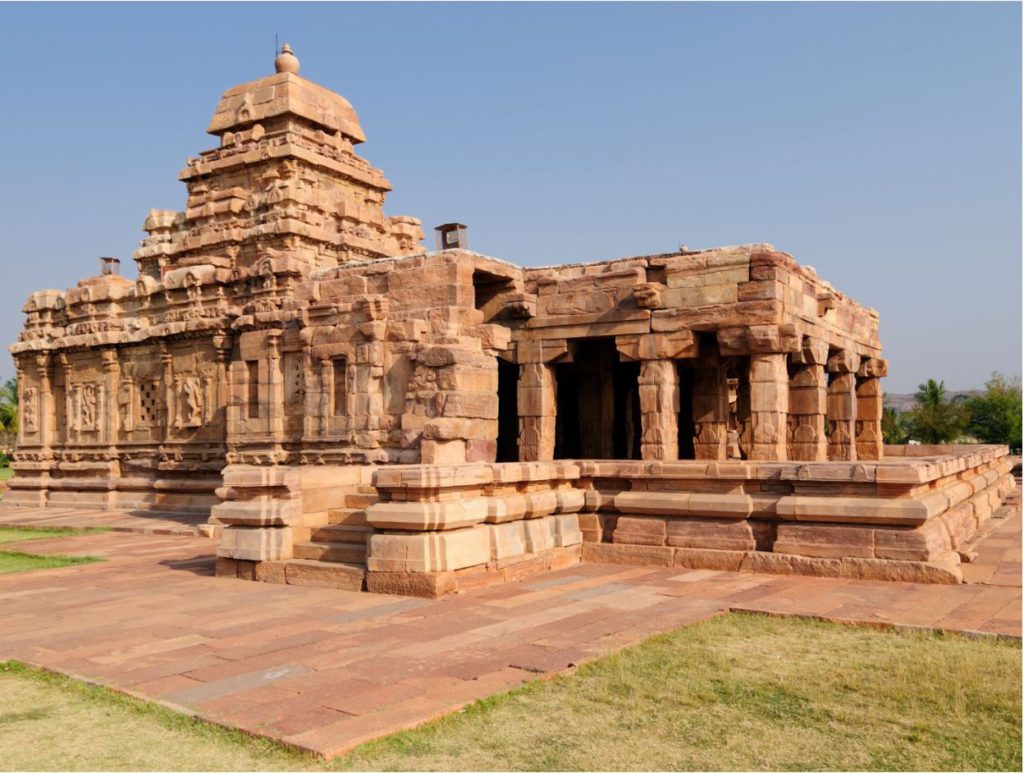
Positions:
{"x": 325, "y": 670}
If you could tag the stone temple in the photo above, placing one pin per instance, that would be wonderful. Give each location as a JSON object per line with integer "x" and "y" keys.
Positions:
{"x": 352, "y": 410}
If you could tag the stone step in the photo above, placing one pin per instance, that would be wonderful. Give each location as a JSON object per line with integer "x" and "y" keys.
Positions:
{"x": 346, "y": 517}
{"x": 325, "y": 574}
{"x": 330, "y": 551}
{"x": 341, "y": 533}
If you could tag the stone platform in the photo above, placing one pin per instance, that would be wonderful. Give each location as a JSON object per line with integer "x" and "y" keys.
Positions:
{"x": 325, "y": 670}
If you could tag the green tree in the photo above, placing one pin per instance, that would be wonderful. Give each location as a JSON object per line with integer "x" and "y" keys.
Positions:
{"x": 895, "y": 427}
{"x": 995, "y": 415}
{"x": 936, "y": 419}
{"x": 9, "y": 405}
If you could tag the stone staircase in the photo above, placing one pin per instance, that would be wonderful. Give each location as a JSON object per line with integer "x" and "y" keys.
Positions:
{"x": 334, "y": 554}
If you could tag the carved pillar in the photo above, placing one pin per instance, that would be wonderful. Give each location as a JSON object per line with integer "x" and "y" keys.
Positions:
{"x": 70, "y": 421}
{"x": 659, "y": 409}
{"x": 842, "y": 406}
{"x": 45, "y": 410}
{"x": 710, "y": 408}
{"x": 274, "y": 394}
{"x": 108, "y": 407}
{"x": 869, "y": 440}
{"x": 536, "y": 398}
{"x": 808, "y": 390}
{"x": 769, "y": 406}
{"x": 326, "y": 384}
{"x": 170, "y": 396}
{"x": 222, "y": 390}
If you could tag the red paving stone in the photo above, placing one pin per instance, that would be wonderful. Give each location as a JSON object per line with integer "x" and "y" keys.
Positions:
{"x": 325, "y": 670}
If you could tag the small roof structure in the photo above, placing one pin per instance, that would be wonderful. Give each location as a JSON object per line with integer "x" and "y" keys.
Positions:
{"x": 283, "y": 93}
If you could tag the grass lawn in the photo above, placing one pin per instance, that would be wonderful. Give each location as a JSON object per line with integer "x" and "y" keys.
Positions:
{"x": 11, "y": 561}
{"x": 26, "y": 562}
{"x": 6, "y": 473}
{"x": 21, "y": 534}
{"x": 735, "y": 693}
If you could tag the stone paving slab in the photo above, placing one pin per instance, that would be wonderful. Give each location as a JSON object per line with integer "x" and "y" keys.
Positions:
{"x": 325, "y": 670}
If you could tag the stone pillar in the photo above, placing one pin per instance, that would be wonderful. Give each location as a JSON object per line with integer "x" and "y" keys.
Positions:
{"x": 869, "y": 440}
{"x": 69, "y": 399}
{"x": 167, "y": 360}
{"x": 536, "y": 398}
{"x": 111, "y": 372}
{"x": 45, "y": 409}
{"x": 842, "y": 406}
{"x": 710, "y": 408}
{"x": 274, "y": 394}
{"x": 659, "y": 409}
{"x": 808, "y": 389}
{"x": 326, "y": 385}
{"x": 769, "y": 406}
{"x": 222, "y": 391}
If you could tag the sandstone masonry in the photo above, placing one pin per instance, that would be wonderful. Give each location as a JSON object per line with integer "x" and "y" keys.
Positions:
{"x": 353, "y": 410}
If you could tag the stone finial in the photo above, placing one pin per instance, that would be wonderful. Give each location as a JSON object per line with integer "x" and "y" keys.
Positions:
{"x": 287, "y": 61}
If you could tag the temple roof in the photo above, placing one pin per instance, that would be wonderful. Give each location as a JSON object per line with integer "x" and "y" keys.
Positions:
{"x": 283, "y": 93}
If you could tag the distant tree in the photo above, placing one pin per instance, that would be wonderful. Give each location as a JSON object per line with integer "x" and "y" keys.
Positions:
{"x": 9, "y": 405}
{"x": 895, "y": 427}
{"x": 995, "y": 415}
{"x": 936, "y": 419}
{"x": 8, "y": 419}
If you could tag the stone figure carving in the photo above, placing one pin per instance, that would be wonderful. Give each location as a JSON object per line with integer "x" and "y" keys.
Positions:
{"x": 88, "y": 407}
{"x": 29, "y": 410}
{"x": 190, "y": 397}
{"x": 126, "y": 406}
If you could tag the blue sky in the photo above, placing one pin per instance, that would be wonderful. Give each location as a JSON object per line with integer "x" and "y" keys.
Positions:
{"x": 879, "y": 143}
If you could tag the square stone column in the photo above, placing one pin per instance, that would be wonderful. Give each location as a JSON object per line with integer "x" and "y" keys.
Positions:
{"x": 537, "y": 408}
{"x": 769, "y": 406}
{"x": 842, "y": 406}
{"x": 808, "y": 389}
{"x": 45, "y": 409}
{"x": 659, "y": 409}
{"x": 710, "y": 408}
{"x": 869, "y": 439}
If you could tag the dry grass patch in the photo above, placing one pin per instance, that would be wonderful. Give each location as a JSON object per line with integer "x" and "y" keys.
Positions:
{"x": 735, "y": 693}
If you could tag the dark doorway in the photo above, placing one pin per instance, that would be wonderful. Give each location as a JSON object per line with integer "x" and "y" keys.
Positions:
{"x": 687, "y": 429}
{"x": 598, "y": 404}
{"x": 508, "y": 412}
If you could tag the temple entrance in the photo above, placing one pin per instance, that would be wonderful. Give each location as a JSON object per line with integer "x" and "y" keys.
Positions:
{"x": 598, "y": 404}
{"x": 508, "y": 412}
{"x": 687, "y": 429}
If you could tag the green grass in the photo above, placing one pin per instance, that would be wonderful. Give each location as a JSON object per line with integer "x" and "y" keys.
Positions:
{"x": 20, "y": 561}
{"x": 739, "y": 692}
{"x": 6, "y": 473}
{"x": 26, "y": 562}
{"x": 22, "y": 534}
